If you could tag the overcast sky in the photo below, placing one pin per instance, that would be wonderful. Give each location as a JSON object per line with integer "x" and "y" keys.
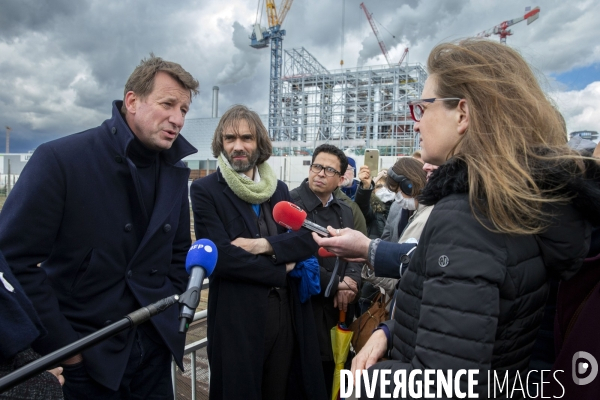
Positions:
{"x": 62, "y": 62}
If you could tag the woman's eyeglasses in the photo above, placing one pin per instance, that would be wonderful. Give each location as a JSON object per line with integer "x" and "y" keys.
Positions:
{"x": 317, "y": 168}
{"x": 417, "y": 110}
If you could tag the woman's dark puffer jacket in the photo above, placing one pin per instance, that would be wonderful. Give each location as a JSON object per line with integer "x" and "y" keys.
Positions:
{"x": 473, "y": 299}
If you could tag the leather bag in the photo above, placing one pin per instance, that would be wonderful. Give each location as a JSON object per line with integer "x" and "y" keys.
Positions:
{"x": 365, "y": 324}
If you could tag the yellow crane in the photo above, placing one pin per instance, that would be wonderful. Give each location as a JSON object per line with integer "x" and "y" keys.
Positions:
{"x": 261, "y": 38}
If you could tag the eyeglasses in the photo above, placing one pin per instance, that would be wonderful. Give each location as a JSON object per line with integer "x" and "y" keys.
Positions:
{"x": 417, "y": 110}
{"x": 317, "y": 168}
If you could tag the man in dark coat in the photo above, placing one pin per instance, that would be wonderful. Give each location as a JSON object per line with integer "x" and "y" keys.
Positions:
{"x": 315, "y": 196}
{"x": 261, "y": 338}
{"x": 106, "y": 214}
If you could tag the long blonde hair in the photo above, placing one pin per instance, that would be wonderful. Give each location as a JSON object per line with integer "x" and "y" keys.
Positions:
{"x": 514, "y": 133}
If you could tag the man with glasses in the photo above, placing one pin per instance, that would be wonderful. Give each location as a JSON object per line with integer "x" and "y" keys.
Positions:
{"x": 340, "y": 280}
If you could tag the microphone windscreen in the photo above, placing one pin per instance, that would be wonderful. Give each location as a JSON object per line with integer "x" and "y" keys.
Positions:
{"x": 325, "y": 253}
{"x": 203, "y": 253}
{"x": 289, "y": 215}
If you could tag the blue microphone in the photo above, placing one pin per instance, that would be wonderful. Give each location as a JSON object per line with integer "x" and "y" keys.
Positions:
{"x": 199, "y": 263}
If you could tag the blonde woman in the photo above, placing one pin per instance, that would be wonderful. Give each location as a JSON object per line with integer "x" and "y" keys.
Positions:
{"x": 513, "y": 204}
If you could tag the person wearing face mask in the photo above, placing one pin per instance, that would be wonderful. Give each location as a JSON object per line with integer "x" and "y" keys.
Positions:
{"x": 374, "y": 200}
{"x": 407, "y": 178}
{"x": 399, "y": 213}
{"x": 404, "y": 181}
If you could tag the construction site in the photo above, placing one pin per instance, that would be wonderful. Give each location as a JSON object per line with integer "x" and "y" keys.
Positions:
{"x": 353, "y": 108}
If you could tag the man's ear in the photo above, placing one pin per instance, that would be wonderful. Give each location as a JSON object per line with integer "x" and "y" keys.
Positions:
{"x": 131, "y": 101}
{"x": 463, "y": 116}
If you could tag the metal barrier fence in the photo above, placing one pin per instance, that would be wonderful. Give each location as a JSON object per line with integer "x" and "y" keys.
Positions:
{"x": 191, "y": 351}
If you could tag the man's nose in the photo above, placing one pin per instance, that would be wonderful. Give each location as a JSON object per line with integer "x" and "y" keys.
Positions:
{"x": 177, "y": 119}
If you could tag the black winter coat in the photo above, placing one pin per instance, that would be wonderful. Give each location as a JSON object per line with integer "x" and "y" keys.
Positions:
{"x": 238, "y": 295}
{"x": 77, "y": 210}
{"x": 326, "y": 316}
{"x": 473, "y": 299}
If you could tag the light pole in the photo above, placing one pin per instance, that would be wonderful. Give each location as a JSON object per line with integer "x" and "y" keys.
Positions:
{"x": 8, "y": 139}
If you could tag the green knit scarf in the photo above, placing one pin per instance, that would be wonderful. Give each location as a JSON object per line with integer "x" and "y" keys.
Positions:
{"x": 246, "y": 189}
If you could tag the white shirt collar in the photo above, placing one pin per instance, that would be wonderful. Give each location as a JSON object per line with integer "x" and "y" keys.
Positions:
{"x": 330, "y": 200}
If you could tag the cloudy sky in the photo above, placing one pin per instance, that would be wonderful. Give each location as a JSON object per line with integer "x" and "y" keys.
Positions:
{"x": 62, "y": 62}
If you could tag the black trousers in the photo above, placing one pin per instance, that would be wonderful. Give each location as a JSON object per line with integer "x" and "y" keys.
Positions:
{"x": 147, "y": 375}
{"x": 279, "y": 345}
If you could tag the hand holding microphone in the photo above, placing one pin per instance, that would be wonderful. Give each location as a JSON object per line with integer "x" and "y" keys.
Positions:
{"x": 293, "y": 217}
{"x": 199, "y": 263}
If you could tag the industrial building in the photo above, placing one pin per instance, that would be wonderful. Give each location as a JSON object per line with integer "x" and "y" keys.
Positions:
{"x": 354, "y": 109}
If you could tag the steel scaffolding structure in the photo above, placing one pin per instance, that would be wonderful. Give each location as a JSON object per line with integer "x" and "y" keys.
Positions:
{"x": 352, "y": 108}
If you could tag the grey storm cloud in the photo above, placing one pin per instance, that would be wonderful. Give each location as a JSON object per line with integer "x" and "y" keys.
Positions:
{"x": 24, "y": 16}
{"x": 244, "y": 61}
{"x": 407, "y": 24}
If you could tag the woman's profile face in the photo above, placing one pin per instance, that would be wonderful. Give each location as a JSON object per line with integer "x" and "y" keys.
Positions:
{"x": 438, "y": 128}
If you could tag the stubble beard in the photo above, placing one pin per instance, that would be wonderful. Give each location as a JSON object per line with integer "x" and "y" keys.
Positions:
{"x": 242, "y": 166}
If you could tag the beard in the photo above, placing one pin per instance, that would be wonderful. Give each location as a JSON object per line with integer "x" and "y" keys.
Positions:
{"x": 242, "y": 166}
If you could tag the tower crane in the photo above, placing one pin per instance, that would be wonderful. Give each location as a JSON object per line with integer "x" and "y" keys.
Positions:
{"x": 502, "y": 28}
{"x": 261, "y": 38}
{"x": 376, "y": 32}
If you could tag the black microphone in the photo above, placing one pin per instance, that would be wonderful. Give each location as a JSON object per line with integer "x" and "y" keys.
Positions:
{"x": 200, "y": 263}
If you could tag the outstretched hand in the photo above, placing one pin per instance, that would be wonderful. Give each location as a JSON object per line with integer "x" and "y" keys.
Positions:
{"x": 346, "y": 243}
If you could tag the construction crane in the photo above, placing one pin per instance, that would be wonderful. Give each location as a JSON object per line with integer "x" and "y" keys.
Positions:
{"x": 261, "y": 38}
{"x": 376, "y": 32}
{"x": 502, "y": 28}
{"x": 403, "y": 56}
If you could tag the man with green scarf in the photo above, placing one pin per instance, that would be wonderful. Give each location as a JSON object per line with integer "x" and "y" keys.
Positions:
{"x": 262, "y": 341}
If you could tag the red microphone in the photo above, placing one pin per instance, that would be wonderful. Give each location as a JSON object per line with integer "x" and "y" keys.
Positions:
{"x": 293, "y": 217}
{"x": 324, "y": 253}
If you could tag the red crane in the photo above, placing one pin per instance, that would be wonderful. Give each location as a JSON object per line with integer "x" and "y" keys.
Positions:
{"x": 403, "y": 56}
{"x": 502, "y": 28}
{"x": 376, "y": 32}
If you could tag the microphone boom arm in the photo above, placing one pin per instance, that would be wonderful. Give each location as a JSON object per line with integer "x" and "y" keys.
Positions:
{"x": 51, "y": 360}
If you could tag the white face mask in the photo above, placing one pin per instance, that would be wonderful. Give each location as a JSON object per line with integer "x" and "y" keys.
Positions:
{"x": 384, "y": 194}
{"x": 407, "y": 203}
